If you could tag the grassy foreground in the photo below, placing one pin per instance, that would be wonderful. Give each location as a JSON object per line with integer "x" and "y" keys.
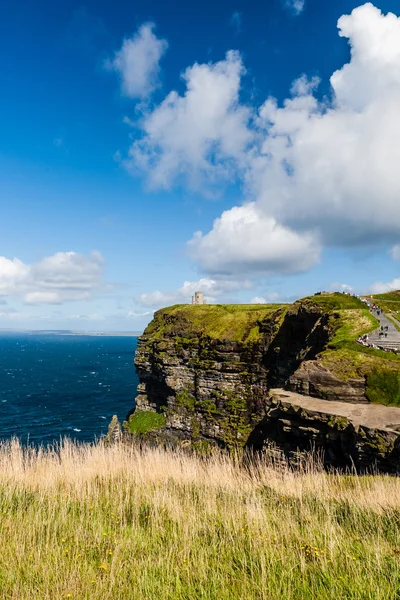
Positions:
{"x": 97, "y": 522}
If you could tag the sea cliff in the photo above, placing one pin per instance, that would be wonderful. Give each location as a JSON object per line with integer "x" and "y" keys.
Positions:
{"x": 207, "y": 373}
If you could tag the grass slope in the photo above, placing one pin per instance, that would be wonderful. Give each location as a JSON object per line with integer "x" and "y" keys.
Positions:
{"x": 91, "y": 522}
{"x": 347, "y": 359}
{"x": 230, "y": 322}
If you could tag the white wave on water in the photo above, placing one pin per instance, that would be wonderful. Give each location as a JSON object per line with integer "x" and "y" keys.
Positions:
{"x": 76, "y": 429}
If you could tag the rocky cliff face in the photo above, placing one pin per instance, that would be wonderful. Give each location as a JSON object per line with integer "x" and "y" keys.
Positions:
{"x": 313, "y": 379}
{"x": 205, "y": 373}
{"x": 365, "y": 440}
{"x": 207, "y": 389}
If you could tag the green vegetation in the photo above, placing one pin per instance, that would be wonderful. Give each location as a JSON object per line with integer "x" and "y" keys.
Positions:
{"x": 383, "y": 386}
{"x": 232, "y": 416}
{"x": 235, "y": 423}
{"x": 89, "y": 522}
{"x": 228, "y": 322}
{"x": 336, "y": 301}
{"x": 339, "y": 423}
{"x": 185, "y": 400}
{"x": 394, "y": 320}
{"x": 346, "y": 359}
{"x": 144, "y": 421}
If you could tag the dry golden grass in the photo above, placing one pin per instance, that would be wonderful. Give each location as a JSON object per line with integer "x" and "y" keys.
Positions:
{"x": 91, "y": 522}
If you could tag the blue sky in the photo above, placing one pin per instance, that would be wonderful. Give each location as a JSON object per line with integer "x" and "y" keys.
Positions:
{"x": 268, "y": 129}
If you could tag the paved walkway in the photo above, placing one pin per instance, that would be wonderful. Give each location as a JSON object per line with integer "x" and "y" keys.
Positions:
{"x": 392, "y": 339}
{"x": 371, "y": 415}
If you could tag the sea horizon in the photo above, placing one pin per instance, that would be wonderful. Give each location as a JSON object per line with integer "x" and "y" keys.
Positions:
{"x": 10, "y": 331}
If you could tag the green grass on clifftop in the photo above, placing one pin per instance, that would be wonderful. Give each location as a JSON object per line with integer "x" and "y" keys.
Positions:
{"x": 228, "y": 322}
{"x": 336, "y": 301}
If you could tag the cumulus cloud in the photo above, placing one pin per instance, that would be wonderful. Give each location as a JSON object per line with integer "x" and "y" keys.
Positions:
{"x": 13, "y": 274}
{"x": 245, "y": 240}
{"x": 296, "y": 6}
{"x": 137, "y": 62}
{"x": 333, "y": 166}
{"x": 212, "y": 288}
{"x": 315, "y": 172}
{"x": 199, "y": 137}
{"x": 55, "y": 279}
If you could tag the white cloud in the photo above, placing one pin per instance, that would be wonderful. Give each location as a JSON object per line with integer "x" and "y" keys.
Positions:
{"x": 336, "y": 286}
{"x": 244, "y": 240}
{"x": 13, "y": 274}
{"x": 333, "y": 166}
{"x": 381, "y": 287}
{"x": 296, "y": 6}
{"x": 270, "y": 297}
{"x": 43, "y": 298}
{"x": 137, "y": 62}
{"x": 194, "y": 138}
{"x": 258, "y": 300}
{"x": 132, "y": 314}
{"x": 315, "y": 173}
{"x": 56, "y": 279}
{"x": 212, "y": 289}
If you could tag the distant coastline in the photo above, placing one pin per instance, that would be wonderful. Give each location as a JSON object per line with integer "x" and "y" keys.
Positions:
{"x": 70, "y": 332}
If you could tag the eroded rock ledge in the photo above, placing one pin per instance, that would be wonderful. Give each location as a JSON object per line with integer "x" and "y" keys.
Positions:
{"x": 363, "y": 437}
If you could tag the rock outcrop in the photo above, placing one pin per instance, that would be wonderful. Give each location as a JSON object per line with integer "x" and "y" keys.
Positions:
{"x": 342, "y": 435}
{"x": 313, "y": 379}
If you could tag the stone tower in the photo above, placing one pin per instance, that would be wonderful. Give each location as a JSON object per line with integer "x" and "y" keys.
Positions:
{"x": 198, "y": 298}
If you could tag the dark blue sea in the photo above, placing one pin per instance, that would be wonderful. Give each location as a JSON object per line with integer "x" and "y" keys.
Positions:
{"x": 53, "y": 386}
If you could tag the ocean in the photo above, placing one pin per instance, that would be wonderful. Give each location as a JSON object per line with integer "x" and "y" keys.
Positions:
{"x": 53, "y": 386}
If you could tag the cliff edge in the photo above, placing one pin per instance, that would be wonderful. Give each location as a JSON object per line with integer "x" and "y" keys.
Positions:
{"x": 206, "y": 373}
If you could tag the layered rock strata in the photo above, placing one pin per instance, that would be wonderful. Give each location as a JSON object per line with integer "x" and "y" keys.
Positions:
{"x": 363, "y": 438}
{"x": 206, "y": 374}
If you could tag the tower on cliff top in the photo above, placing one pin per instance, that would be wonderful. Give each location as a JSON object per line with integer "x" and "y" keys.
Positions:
{"x": 198, "y": 298}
